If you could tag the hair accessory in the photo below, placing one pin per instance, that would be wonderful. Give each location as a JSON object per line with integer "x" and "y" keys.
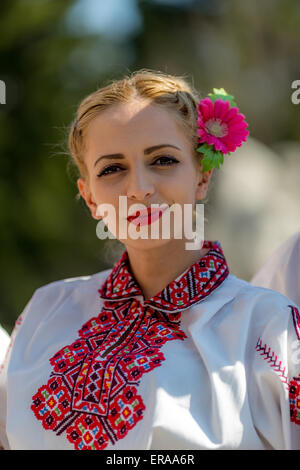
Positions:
{"x": 221, "y": 128}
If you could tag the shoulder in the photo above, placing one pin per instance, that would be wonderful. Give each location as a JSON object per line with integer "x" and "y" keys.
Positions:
{"x": 262, "y": 306}
{"x": 61, "y": 295}
{"x": 67, "y": 285}
{"x": 260, "y": 297}
{"x": 258, "y": 317}
{"x": 256, "y": 295}
{"x": 244, "y": 309}
{"x": 59, "y": 306}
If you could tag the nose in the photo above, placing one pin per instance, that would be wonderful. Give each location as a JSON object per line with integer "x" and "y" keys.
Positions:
{"x": 139, "y": 187}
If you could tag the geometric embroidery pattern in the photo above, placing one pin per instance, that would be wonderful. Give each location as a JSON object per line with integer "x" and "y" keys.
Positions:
{"x": 294, "y": 394}
{"x": 92, "y": 394}
{"x": 193, "y": 285}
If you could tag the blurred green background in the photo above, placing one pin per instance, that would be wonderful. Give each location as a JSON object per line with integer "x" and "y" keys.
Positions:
{"x": 54, "y": 52}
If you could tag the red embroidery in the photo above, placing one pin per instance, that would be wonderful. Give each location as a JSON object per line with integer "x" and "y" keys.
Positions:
{"x": 273, "y": 361}
{"x": 293, "y": 386}
{"x": 294, "y": 396}
{"x": 294, "y": 392}
{"x": 296, "y": 319}
{"x": 192, "y": 286}
{"x": 91, "y": 395}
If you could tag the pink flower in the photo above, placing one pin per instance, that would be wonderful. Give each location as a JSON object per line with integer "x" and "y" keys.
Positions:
{"x": 220, "y": 125}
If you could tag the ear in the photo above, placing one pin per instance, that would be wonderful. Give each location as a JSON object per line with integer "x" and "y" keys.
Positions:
{"x": 203, "y": 184}
{"x": 85, "y": 192}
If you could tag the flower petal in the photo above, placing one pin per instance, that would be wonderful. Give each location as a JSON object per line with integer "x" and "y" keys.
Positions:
{"x": 235, "y": 140}
{"x": 201, "y": 132}
{"x": 217, "y": 143}
{"x": 230, "y": 145}
{"x": 205, "y": 109}
{"x": 221, "y": 108}
{"x": 240, "y": 126}
{"x": 231, "y": 113}
{"x": 237, "y": 118}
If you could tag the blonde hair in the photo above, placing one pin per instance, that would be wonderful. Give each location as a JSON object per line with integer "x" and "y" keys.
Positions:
{"x": 163, "y": 89}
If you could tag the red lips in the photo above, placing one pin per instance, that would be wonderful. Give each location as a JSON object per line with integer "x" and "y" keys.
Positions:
{"x": 145, "y": 216}
{"x": 141, "y": 213}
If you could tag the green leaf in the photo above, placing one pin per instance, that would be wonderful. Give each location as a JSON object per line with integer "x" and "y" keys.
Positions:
{"x": 211, "y": 159}
{"x": 220, "y": 93}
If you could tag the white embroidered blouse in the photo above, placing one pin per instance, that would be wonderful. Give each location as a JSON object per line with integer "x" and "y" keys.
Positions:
{"x": 210, "y": 362}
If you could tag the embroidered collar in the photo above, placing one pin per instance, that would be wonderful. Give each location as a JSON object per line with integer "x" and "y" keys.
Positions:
{"x": 194, "y": 284}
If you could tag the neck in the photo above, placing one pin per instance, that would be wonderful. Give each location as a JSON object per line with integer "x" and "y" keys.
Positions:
{"x": 154, "y": 269}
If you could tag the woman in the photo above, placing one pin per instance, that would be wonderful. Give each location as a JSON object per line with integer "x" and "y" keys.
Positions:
{"x": 166, "y": 350}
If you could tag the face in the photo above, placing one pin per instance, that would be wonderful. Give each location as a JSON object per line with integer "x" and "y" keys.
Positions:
{"x": 138, "y": 150}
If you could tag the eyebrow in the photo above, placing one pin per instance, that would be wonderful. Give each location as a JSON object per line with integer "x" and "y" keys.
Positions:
{"x": 147, "y": 151}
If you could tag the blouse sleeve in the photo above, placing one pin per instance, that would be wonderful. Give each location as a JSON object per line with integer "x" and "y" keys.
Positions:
{"x": 274, "y": 381}
{"x": 3, "y": 371}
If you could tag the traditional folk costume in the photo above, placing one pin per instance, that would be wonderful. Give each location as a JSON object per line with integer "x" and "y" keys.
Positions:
{"x": 210, "y": 362}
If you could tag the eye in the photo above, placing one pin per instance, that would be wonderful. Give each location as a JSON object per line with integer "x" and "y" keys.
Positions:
{"x": 108, "y": 170}
{"x": 166, "y": 160}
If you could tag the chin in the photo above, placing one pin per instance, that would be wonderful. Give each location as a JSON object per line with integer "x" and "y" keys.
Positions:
{"x": 145, "y": 244}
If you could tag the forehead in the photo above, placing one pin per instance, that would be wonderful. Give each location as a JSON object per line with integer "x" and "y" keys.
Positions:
{"x": 138, "y": 121}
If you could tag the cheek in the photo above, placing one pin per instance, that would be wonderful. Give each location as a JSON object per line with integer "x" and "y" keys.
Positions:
{"x": 183, "y": 188}
{"x": 102, "y": 192}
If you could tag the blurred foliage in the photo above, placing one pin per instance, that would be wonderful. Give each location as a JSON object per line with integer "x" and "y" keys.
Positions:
{"x": 250, "y": 48}
{"x": 45, "y": 233}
